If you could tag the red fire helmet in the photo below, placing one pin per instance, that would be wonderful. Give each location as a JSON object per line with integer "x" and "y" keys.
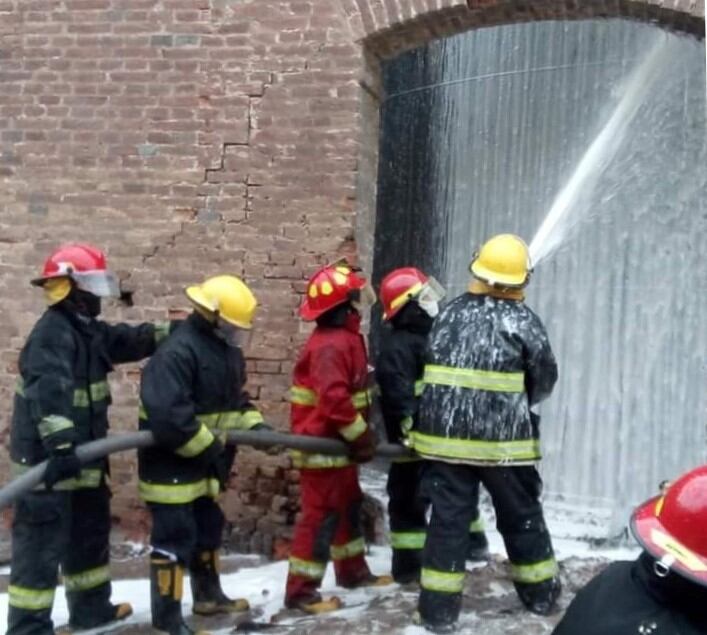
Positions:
{"x": 399, "y": 287}
{"x": 673, "y": 527}
{"x": 85, "y": 265}
{"x": 329, "y": 287}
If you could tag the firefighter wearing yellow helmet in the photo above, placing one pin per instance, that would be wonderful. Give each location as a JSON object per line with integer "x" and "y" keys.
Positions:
{"x": 192, "y": 394}
{"x": 488, "y": 361}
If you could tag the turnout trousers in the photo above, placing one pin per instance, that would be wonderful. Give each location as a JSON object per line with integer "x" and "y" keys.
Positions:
{"x": 182, "y": 531}
{"x": 329, "y": 527}
{"x": 53, "y": 529}
{"x": 407, "y": 509}
{"x": 515, "y": 493}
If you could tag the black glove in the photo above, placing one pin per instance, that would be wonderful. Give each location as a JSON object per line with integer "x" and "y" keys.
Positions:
{"x": 217, "y": 463}
{"x": 362, "y": 449}
{"x": 63, "y": 463}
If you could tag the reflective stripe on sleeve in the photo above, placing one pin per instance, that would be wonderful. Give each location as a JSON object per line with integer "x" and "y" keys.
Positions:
{"x": 88, "y": 479}
{"x": 407, "y": 539}
{"x": 534, "y": 573}
{"x": 86, "y": 580}
{"x": 52, "y": 424}
{"x": 419, "y": 387}
{"x": 197, "y": 444}
{"x": 231, "y": 420}
{"x": 98, "y": 391}
{"x": 526, "y": 450}
{"x": 307, "y": 568}
{"x": 301, "y": 396}
{"x": 161, "y": 331}
{"x": 474, "y": 379}
{"x": 30, "y": 599}
{"x": 442, "y": 581}
{"x": 362, "y": 399}
{"x": 349, "y": 550}
{"x": 354, "y": 430}
{"x": 305, "y": 460}
{"x": 477, "y": 526}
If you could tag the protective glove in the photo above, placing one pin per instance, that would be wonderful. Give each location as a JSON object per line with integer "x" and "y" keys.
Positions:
{"x": 262, "y": 427}
{"x": 216, "y": 463}
{"x": 63, "y": 463}
{"x": 362, "y": 449}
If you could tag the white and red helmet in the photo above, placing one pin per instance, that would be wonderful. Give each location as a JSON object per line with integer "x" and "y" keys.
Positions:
{"x": 85, "y": 265}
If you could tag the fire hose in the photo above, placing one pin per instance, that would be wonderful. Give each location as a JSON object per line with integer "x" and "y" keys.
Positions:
{"x": 258, "y": 439}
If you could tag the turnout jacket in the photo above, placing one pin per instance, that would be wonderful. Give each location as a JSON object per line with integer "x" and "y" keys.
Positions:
{"x": 489, "y": 360}
{"x": 399, "y": 369}
{"x": 192, "y": 390}
{"x": 329, "y": 396}
{"x": 62, "y": 394}
{"x": 627, "y": 598}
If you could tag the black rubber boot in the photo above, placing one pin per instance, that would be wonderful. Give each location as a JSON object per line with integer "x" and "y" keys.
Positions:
{"x": 540, "y": 598}
{"x": 208, "y": 596}
{"x": 166, "y": 579}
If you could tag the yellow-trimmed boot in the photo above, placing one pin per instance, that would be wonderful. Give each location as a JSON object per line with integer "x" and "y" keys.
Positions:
{"x": 317, "y": 605}
{"x": 371, "y": 581}
{"x": 208, "y": 596}
{"x": 166, "y": 580}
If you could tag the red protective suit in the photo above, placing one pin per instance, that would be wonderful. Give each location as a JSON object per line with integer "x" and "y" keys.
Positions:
{"x": 329, "y": 399}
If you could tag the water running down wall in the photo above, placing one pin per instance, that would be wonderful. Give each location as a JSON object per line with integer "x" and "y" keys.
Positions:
{"x": 480, "y": 132}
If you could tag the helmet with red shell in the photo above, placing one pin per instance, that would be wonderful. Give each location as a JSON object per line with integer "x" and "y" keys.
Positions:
{"x": 82, "y": 263}
{"x": 399, "y": 287}
{"x": 329, "y": 287}
{"x": 671, "y": 527}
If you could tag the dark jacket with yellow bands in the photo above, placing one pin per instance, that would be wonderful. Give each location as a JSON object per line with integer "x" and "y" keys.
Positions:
{"x": 62, "y": 394}
{"x": 192, "y": 391}
{"x": 489, "y": 360}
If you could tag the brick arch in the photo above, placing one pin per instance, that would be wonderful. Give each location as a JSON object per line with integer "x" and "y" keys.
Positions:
{"x": 389, "y": 27}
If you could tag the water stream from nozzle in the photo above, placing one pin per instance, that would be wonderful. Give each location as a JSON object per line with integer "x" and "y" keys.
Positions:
{"x": 572, "y": 203}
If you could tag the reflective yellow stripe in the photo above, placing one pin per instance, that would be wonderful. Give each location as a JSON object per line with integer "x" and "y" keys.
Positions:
{"x": 87, "y": 579}
{"x": 176, "y": 494}
{"x": 88, "y": 479}
{"x": 30, "y": 599}
{"x": 231, "y": 420}
{"x": 20, "y": 387}
{"x": 98, "y": 391}
{"x": 403, "y": 297}
{"x": 307, "y": 568}
{"x": 161, "y": 331}
{"x": 142, "y": 413}
{"x": 197, "y": 444}
{"x": 407, "y": 539}
{"x": 354, "y": 430}
{"x": 349, "y": 550}
{"x": 419, "y": 387}
{"x": 52, "y": 424}
{"x": 477, "y": 526}
{"x": 317, "y": 461}
{"x": 301, "y": 396}
{"x": 406, "y": 425}
{"x": 362, "y": 399}
{"x": 476, "y": 450}
{"x": 534, "y": 573}
{"x": 474, "y": 379}
{"x": 442, "y": 581}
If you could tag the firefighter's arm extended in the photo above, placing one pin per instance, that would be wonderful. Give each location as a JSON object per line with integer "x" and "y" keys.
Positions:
{"x": 541, "y": 367}
{"x": 395, "y": 374}
{"x": 166, "y": 396}
{"x": 332, "y": 375}
{"x": 128, "y": 343}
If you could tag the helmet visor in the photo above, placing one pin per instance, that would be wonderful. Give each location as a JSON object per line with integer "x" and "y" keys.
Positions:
{"x": 103, "y": 284}
{"x": 232, "y": 335}
{"x": 432, "y": 291}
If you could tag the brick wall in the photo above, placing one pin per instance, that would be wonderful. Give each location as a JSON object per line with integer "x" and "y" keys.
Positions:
{"x": 191, "y": 137}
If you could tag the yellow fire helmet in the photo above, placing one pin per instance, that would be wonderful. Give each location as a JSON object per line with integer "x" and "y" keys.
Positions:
{"x": 502, "y": 261}
{"x": 225, "y": 297}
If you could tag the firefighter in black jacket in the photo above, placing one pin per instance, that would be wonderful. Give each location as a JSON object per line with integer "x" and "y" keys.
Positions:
{"x": 489, "y": 361}
{"x": 410, "y": 302}
{"x": 663, "y": 592}
{"x": 192, "y": 394}
{"x": 61, "y": 400}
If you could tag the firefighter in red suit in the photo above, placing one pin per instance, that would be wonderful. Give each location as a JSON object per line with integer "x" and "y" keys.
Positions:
{"x": 330, "y": 400}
